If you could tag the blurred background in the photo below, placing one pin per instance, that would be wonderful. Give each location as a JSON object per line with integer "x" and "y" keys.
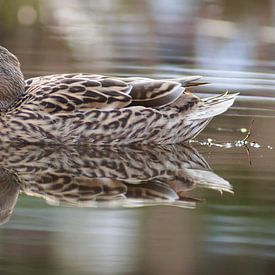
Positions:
{"x": 142, "y": 37}
{"x": 232, "y": 44}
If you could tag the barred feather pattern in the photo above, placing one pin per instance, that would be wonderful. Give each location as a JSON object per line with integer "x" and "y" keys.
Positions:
{"x": 128, "y": 125}
{"x": 79, "y": 175}
{"x": 80, "y": 108}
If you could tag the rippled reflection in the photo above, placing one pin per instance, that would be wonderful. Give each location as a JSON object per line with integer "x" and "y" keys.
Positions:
{"x": 105, "y": 176}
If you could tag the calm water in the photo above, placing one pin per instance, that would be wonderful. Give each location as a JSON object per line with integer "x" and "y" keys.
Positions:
{"x": 204, "y": 209}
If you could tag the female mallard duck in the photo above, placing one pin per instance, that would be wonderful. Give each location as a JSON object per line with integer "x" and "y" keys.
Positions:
{"x": 72, "y": 108}
{"x": 104, "y": 175}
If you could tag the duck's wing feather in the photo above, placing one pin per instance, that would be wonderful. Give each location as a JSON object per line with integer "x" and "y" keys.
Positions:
{"x": 58, "y": 94}
{"x": 35, "y": 81}
{"x": 156, "y": 93}
{"x": 159, "y": 93}
{"x": 69, "y": 92}
{"x": 189, "y": 81}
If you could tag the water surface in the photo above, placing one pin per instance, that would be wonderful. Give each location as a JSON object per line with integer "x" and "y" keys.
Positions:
{"x": 204, "y": 210}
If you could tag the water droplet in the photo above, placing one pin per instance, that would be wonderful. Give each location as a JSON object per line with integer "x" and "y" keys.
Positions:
{"x": 255, "y": 145}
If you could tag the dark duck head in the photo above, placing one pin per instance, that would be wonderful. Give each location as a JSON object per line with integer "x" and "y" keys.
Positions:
{"x": 11, "y": 79}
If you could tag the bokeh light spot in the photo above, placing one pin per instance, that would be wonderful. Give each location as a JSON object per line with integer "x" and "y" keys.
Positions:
{"x": 26, "y": 15}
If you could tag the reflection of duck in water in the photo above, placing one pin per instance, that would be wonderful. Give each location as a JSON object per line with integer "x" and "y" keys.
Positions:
{"x": 104, "y": 176}
{"x": 73, "y": 108}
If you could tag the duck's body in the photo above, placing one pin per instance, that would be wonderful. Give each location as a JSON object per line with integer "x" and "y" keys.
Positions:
{"x": 73, "y": 108}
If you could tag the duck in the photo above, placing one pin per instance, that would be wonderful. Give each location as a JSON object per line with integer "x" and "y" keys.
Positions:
{"x": 78, "y": 108}
{"x": 104, "y": 176}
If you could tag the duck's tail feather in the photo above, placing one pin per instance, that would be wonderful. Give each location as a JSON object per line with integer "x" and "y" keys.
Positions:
{"x": 189, "y": 81}
{"x": 212, "y": 106}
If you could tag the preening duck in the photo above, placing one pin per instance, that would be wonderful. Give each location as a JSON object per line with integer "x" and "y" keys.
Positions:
{"x": 77, "y": 108}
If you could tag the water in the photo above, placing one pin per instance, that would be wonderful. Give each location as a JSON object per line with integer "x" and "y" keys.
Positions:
{"x": 203, "y": 210}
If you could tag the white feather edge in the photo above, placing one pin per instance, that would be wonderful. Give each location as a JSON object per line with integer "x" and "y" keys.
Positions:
{"x": 212, "y": 106}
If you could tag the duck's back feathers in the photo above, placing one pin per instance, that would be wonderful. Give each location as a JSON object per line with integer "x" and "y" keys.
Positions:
{"x": 69, "y": 92}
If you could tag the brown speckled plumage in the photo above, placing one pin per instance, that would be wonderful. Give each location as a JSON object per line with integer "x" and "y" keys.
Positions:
{"x": 85, "y": 176}
{"x": 76, "y": 108}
